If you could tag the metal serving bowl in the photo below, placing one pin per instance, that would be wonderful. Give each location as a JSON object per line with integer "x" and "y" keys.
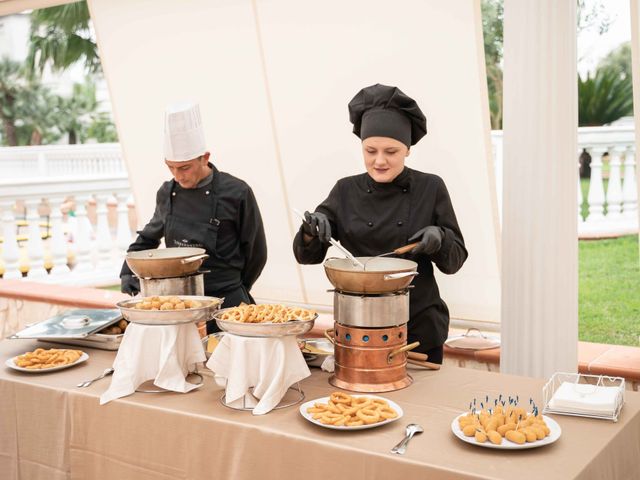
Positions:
{"x": 171, "y": 317}
{"x": 294, "y": 327}
{"x": 166, "y": 262}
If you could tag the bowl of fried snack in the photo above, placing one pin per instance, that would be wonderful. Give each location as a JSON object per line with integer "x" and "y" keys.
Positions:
{"x": 342, "y": 411}
{"x": 507, "y": 427}
{"x": 41, "y": 360}
{"x": 265, "y": 320}
{"x": 169, "y": 310}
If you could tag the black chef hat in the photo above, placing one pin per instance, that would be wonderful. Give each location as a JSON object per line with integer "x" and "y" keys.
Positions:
{"x": 383, "y": 111}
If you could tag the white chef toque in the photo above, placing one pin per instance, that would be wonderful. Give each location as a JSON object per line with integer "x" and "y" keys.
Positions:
{"x": 183, "y": 132}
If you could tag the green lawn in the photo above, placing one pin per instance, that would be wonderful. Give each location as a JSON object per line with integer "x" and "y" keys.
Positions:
{"x": 609, "y": 291}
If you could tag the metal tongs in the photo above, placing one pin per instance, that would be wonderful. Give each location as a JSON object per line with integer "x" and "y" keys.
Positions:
{"x": 335, "y": 243}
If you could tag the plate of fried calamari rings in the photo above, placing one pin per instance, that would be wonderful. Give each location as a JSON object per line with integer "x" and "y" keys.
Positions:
{"x": 265, "y": 320}
{"x": 341, "y": 411}
{"x": 46, "y": 360}
{"x": 169, "y": 310}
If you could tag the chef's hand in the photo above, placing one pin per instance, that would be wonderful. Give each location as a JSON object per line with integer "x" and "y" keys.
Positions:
{"x": 130, "y": 285}
{"x": 430, "y": 239}
{"x": 317, "y": 225}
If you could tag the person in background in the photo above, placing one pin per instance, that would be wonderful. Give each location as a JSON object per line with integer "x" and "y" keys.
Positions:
{"x": 206, "y": 208}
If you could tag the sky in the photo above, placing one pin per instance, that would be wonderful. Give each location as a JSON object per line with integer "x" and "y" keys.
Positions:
{"x": 593, "y": 47}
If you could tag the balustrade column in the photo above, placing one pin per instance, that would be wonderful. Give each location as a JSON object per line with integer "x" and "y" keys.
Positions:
{"x": 10, "y": 248}
{"x": 83, "y": 238}
{"x": 596, "y": 190}
{"x": 123, "y": 232}
{"x": 629, "y": 187}
{"x": 103, "y": 234}
{"x": 35, "y": 246}
{"x": 59, "y": 246}
{"x": 580, "y": 199}
{"x": 614, "y": 189}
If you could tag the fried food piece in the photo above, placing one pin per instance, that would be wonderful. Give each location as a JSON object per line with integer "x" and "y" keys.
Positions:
{"x": 344, "y": 410}
{"x": 42, "y": 359}
{"x": 266, "y": 313}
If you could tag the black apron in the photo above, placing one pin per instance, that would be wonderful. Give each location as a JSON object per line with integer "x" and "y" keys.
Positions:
{"x": 182, "y": 232}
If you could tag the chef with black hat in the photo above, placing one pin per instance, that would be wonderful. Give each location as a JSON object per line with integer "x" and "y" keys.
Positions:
{"x": 389, "y": 206}
{"x": 204, "y": 207}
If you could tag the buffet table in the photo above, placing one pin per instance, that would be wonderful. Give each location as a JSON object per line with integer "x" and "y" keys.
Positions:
{"x": 51, "y": 429}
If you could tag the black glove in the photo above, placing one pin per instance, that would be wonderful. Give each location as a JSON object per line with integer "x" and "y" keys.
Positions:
{"x": 317, "y": 225}
{"x": 129, "y": 284}
{"x": 430, "y": 240}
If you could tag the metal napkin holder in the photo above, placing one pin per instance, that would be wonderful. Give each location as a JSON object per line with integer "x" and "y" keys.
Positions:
{"x": 559, "y": 378}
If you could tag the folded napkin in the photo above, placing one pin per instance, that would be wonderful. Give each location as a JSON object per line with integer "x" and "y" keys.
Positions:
{"x": 269, "y": 365}
{"x": 581, "y": 398}
{"x": 163, "y": 353}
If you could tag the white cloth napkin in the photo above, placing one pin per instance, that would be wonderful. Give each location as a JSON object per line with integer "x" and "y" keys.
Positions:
{"x": 582, "y": 398}
{"x": 269, "y": 365}
{"x": 163, "y": 353}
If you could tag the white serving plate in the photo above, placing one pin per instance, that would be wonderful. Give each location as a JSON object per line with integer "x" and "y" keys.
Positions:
{"x": 506, "y": 444}
{"x": 311, "y": 403}
{"x": 11, "y": 364}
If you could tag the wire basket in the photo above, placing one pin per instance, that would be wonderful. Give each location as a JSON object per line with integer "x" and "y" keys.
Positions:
{"x": 584, "y": 386}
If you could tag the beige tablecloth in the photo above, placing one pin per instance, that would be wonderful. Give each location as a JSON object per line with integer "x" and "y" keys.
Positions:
{"x": 49, "y": 429}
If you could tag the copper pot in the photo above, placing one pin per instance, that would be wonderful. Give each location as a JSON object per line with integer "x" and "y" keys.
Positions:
{"x": 370, "y": 359}
{"x": 382, "y": 275}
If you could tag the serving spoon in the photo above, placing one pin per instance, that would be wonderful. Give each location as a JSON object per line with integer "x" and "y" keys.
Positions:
{"x": 411, "y": 430}
{"x": 335, "y": 243}
{"x": 86, "y": 383}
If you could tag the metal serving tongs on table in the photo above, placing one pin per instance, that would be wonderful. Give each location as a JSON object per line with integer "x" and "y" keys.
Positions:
{"x": 335, "y": 243}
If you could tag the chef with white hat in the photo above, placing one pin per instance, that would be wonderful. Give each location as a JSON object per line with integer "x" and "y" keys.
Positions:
{"x": 203, "y": 207}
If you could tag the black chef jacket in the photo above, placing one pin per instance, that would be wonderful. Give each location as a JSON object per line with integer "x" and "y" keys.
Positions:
{"x": 222, "y": 217}
{"x": 370, "y": 218}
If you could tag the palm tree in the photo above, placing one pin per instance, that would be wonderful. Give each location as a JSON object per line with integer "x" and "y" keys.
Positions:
{"x": 61, "y": 36}
{"x": 40, "y": 116}
{"x": 77, "y": 110}
{"x": 604, "y": 98}
{"x": 11, "y": 88}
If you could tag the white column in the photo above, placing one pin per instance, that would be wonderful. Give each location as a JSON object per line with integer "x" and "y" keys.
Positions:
{"x": 596, "y": 188}
{"x": 580, "y": 220}
{"x": 83, "y": 238}
{"x": 10, "y": 249}
{"x": 635, "y": 59}
{"x": 58, "y": 243}
{"x": 43, "y": 171}
{"x": 580, "y": 198}
{"x": 35, "y": 246}
{"x": 539, "y": 244}
{"x": 614, "y": 189}
{"x": 103, "y": 234}
{"x": 123, "y": 232}
{"x": 629, "y": 190}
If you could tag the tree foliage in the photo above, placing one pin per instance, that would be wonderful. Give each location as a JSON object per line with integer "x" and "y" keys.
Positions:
{"x": 604, "y": 97}
{"x": 492, "y": 28}
{"x": 60, "y": 37}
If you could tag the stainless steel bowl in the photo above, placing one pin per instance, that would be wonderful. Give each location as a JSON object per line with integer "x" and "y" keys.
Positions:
{"x": 171, "y": 317}
{"x": 383, "y": 310}
{"x": 315, "y": 350}
{"x": 294, "y": 327}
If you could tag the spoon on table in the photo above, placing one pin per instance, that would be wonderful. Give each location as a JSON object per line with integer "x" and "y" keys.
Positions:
{"x": 411, "y": 430}
{"x": 86, "y": 383}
